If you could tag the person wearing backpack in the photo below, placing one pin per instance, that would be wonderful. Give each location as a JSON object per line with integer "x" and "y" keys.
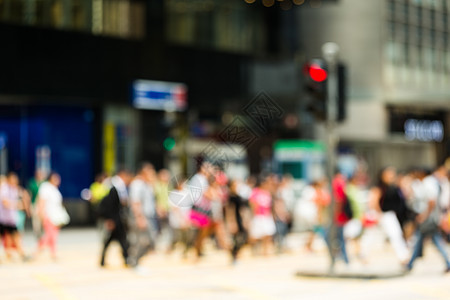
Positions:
{"x": 341, "y": 216}
{"x": 388, "y": 200}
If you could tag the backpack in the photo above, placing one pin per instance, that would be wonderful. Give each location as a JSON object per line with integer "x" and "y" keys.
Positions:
{"x": 103, "y": 207}
{"x": 347, "y": 208}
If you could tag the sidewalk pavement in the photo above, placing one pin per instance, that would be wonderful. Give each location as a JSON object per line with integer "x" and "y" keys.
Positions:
{"x": 76, "y": 275}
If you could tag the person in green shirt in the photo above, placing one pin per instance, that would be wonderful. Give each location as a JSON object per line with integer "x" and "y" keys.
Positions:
{"x": 99, "y": 189}
{"x": 33, "y": 188}
{"x": 354, "y": 226}
{"x": 352, "y": 191}
{"x": 162, "y": 193}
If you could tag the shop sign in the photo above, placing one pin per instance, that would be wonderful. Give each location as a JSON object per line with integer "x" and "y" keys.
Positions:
{"x": 159, "y": 95}
{"x": 424, "y": 130}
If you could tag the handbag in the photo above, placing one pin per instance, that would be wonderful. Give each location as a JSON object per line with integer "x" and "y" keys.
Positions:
{"x": 201, "y": 215}
{"x": 60, "y": 217}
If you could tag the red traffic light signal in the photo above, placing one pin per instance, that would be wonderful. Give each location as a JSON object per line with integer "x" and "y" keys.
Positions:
{"x": 317, "y": 73}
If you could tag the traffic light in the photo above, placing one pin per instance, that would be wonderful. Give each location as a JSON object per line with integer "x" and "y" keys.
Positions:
{"x": 315, "y": 75}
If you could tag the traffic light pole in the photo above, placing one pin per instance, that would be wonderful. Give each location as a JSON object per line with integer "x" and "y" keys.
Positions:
{"x": 330, "y": 53}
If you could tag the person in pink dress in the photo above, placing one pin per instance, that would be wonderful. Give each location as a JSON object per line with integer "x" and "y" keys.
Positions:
{"x": 262, "y": 226}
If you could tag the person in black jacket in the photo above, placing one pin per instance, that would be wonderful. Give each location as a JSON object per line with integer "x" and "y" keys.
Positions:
{"x": 113, "y": 210}
{"x": 237, "y": 210}
{"x": 389, "y": 201}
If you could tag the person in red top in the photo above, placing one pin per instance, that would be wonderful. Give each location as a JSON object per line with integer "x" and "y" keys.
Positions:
{"x": 339, "y": 184}
{"x": 340, "y": 219}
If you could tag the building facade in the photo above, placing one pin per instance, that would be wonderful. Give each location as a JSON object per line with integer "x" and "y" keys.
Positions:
{"x": 69, "y": 67}
{"x": 397, "y": 53}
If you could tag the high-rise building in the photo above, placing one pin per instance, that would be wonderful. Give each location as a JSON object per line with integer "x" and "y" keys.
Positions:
{"x": 398, "y": 55}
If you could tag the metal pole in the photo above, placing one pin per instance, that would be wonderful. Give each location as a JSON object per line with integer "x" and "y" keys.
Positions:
{"x": 330, "y": 52}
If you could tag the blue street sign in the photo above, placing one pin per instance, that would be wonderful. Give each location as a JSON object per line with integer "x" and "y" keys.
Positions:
{"x": 159, "y": 95}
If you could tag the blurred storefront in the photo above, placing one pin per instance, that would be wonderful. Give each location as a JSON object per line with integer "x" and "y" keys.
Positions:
{"x": 71, "y": 65}
{"x": 51, "y": 138}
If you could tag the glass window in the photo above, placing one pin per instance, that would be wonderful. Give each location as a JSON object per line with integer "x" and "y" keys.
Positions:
{"x": 225, "y": 25}
{"x": 391, "y": 30}
{"x": 447, "y": 54}
{"x": 405, "y": 33}
{"x": 420, "y": 57}
{"x": 417, "y": 15}
{"x": 413, "y": 56}
{"x": 428, "y": 58}
{"x": 438, "y": 20}
{"x": 391, "y": 9}
{"x": 445, "y": 21}
{"x": 419, "y": 35}
{"x": 445, "y": 42}
{"x": 435, "y": 60}
{"x": 432, "y": 38}
{"x": 12, "y": 11}
{"x": 432, "y": 18}
{"x": 406, "y": 54}
{"x": 402, "y": 11}
{"x": 121, "y": 18}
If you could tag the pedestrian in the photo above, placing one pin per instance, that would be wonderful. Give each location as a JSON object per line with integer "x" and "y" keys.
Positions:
{"x": 179, "y": 217}
{"x": 113, "y": 209}
{"x": 336, "y": 240}
{"x": 281, "y": 214}
{"x": 11, "y": 195}
{"x": 98, "y": 189}
{"x": 143, "y": 221}
{"x": 428, "y": 219}
{"x": 390, "y": 203}
{"x": 354, "y": 228}
{"x": 245, "y": 188}
{"x": 237, "y": 219}
{"x": 262, "y": 226}
{"x": 161, "y": 188}
{"x": 287, "y": 193}
{"x": 52, "y": 213}
{"x": 202, "y": 194}
{"x": 33, "y": 188}
{"x": 322, "y": 199}
{"x": 219, "y": 199}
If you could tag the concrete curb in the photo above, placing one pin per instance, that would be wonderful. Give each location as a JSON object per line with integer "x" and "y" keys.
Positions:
{"x": 362, "y": 275}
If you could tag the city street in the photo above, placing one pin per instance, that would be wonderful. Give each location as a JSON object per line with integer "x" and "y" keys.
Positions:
{"x": 246, "y": 118}
{"x": 76, "y": 275}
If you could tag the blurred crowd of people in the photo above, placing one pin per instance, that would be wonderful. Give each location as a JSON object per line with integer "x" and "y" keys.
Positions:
{"x": 151, "y": 208}
{"x": 408, "y": 207}
{"x": 138, "y": 210}
{"x": 42, "y": 202}
{"x": 260, "y": 212}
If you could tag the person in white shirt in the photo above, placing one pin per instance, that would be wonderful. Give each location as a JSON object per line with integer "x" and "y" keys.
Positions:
{"x": 428, "y": 218}
{"x": 143, "y": 221}
{"x": 51, "y": 212}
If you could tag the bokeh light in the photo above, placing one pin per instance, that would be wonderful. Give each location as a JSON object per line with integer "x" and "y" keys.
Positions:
{"x": 268, "y": 3}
